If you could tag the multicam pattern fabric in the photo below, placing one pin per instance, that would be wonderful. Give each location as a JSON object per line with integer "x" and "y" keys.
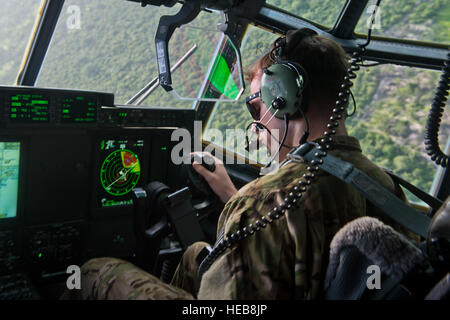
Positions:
{"x": 185, "y": 276}
{"x": 116, "y": 279}
{"x": 288, "y": 258}
{"x": 285, "y": 260}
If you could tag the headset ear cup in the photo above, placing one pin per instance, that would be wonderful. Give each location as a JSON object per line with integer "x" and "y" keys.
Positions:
{"x": 303, "y": 91}
{"x": 282, "y": 89}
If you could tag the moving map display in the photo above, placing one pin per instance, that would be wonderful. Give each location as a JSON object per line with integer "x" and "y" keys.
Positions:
{"x": 9, "y": 178}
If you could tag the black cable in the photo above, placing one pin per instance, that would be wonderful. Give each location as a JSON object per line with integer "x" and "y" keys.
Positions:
{"x": 261, "y": 126}
{"x": 367, "y": 65}
{"x": 354, "y": 104}
{"x": 305, "y": 135}
{"x": 435, "y": 116}
{"x": 369, "y": 32}
{"x": 286, "y": 122}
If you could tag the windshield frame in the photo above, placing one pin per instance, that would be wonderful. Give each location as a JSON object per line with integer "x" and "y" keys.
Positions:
{"x": 38, "y": 45}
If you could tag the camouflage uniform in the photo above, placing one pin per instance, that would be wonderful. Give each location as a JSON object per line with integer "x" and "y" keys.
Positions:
{"x": 285, "y": 260}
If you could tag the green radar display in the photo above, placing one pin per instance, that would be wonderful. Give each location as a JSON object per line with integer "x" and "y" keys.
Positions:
{"x": 120, "y": 172}
{"x": 120, "y": 169}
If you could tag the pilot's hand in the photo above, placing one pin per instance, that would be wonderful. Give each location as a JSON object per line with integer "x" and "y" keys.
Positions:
{"x": 219, "y": 180}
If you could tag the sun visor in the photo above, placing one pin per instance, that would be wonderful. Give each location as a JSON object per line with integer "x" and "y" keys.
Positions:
{"x": 211, "y": 72}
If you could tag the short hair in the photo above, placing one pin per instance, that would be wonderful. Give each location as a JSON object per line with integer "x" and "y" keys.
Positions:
{"x": 324, "y": 60}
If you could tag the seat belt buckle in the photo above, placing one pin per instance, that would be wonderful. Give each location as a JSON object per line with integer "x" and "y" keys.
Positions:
{"x": 298, "y": 154}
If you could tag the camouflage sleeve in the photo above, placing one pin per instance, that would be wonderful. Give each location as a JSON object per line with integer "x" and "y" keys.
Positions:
{"x": 265, "y": 265}
{"x": 287, "y": 259}
{"x": 185, "y": 276}
{"x": 116, "y": 279}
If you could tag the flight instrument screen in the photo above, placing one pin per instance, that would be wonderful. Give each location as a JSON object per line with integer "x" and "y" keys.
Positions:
{"x": 9, "y": 178}
{"x": 25, "y": 107}
{"x": 78, "y": 109}
{"x": 120, "y": 170}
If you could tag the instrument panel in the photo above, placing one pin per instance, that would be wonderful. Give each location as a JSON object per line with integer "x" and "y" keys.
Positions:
{"x": 68, "y": 162}
{"x": 56, "y": 107}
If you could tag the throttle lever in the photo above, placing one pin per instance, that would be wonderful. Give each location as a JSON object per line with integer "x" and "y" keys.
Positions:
{"x": 160, "y": 229}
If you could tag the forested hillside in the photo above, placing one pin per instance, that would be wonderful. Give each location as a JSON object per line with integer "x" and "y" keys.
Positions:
{"x": 113, "y": 50}
{"x": 16, "y": 23}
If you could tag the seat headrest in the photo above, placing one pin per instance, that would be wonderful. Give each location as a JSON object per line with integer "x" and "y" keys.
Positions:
{"x": 440, "y": 224}
{"x": 367, "y": 242}
{"x": 438, "y": 237}
{"x": 391, "y": 251}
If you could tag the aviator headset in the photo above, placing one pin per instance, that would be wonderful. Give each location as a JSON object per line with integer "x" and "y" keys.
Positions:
{"x": 283, "y": 85}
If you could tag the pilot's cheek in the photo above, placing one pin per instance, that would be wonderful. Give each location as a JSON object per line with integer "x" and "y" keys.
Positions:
{"x": 264, "y": 138}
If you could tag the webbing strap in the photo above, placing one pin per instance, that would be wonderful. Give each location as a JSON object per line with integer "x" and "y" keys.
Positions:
{"x": 425, "y": 197}
{"x": 386, "y": 201}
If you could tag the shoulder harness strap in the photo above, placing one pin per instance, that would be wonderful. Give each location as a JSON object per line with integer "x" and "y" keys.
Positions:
{"x": 383, "y": 199}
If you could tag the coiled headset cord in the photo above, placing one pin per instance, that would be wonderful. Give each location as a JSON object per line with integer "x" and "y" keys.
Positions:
{"x": 435, "y": 117}
{"x": 296, "y": 193}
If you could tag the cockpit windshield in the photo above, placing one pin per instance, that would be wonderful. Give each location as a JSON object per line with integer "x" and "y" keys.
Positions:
{"x": 16, "y": 25}
{"x": 106, "y": 50}
{"x": 115, "y": 52}
{"x": 412, "y": 20}
{"x": 323, "y": 12}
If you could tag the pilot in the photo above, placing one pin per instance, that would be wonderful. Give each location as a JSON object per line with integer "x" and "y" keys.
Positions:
{"x": 286, "y": 256}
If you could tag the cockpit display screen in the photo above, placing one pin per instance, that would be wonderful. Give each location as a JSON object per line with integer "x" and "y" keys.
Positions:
{"x": 78, "y": 109}
{"x": 26, "y": 108}
{"x": 120, "y": 171}
{"x": 9, "y": 178}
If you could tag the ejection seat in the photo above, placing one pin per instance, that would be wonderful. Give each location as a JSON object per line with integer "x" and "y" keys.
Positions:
{"x": 371, "y": 261}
